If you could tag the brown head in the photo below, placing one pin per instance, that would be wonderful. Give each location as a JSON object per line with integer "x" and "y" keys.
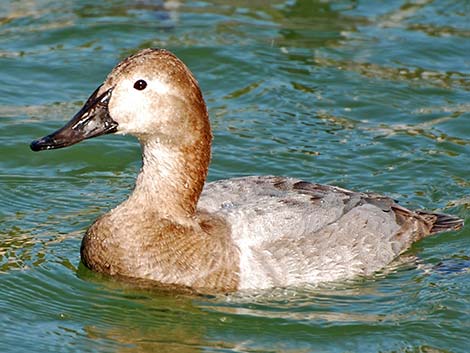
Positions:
{"x": 151, "y": 95}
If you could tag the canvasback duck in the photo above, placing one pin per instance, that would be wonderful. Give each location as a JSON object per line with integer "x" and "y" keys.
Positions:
{"x": 243, "y": 233}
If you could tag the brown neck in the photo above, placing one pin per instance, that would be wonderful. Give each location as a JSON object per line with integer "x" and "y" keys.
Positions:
{"x": 172, "y": 177}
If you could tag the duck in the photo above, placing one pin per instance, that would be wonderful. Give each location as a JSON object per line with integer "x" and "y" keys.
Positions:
{"x": 244, "y": 233}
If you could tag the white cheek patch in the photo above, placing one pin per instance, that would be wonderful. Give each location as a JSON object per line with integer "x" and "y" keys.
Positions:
{"x": 133, "y": 104}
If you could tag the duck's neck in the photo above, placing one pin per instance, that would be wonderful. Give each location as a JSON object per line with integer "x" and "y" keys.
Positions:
{"x": 172, "y": 177}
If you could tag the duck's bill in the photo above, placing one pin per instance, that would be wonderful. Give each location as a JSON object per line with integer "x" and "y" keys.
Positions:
{"x": 91, "y": 121}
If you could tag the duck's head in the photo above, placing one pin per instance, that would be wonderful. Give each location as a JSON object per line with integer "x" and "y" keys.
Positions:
{"x": 151, "y": 95}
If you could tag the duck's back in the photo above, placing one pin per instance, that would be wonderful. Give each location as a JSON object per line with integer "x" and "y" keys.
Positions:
{"x": 291, "y": 232}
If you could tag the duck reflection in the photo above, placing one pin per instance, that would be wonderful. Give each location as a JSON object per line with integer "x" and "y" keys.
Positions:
{"x": 142, "y": 316}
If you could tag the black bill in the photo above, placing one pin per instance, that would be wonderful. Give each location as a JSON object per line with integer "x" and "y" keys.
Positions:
{"x": 91, "y": 121}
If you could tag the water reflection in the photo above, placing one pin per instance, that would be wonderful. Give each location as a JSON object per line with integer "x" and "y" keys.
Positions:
{"x": 370, "y": 97}
{"x": 141, "y": 316}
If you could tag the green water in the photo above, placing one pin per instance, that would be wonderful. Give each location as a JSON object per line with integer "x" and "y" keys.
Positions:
{"x": 369, "y": 95}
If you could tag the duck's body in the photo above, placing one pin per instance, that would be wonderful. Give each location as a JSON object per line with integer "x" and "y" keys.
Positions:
{"x": 292, "y": 232}
{"x": 245, "y": 233}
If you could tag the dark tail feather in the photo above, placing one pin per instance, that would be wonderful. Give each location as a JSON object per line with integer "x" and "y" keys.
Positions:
{"x": 442, "y": 222}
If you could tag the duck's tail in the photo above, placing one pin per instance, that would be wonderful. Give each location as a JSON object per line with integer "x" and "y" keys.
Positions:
{"x": 440, "y": 222}
{"x": 418, "y": 224}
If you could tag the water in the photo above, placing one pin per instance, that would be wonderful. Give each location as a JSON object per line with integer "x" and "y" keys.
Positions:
{"x": 366, "y": 95}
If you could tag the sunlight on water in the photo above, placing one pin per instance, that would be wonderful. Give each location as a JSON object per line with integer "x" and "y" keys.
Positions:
{"x": 364, "y": 95}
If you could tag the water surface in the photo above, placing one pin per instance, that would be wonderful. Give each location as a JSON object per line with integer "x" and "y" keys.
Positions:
{"x": 368, "y": 95}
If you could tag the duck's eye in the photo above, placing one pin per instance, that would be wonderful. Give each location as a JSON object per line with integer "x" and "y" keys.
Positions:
{"x": 140, "y": 85}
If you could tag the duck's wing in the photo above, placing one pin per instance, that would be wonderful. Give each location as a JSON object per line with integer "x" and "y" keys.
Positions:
{"x": 291, "y": 231}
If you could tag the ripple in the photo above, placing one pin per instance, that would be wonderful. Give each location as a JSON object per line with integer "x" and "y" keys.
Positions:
{"x": 416, "y": 76}
{"x": 365, "y": 96}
